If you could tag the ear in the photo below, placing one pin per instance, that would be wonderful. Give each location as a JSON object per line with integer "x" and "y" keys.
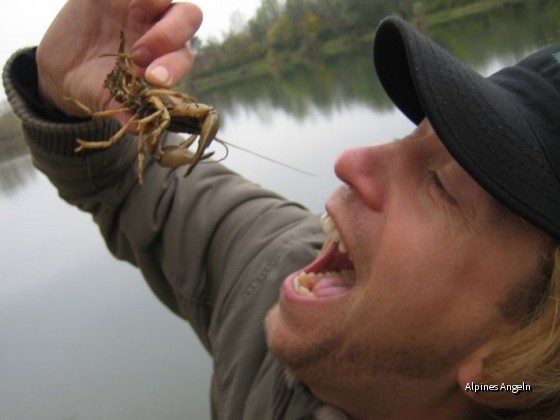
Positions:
{"x": 469, "y": 372}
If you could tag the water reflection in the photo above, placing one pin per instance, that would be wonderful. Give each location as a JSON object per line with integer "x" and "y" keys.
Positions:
{"x": 326, "y": 88}
{"x": 16, "y": 173}
{"x": 15, "y": 165}
{"x": 508, "y": 33}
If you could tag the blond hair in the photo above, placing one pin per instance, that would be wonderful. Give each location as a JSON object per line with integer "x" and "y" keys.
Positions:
{"x": 531, "y": 355}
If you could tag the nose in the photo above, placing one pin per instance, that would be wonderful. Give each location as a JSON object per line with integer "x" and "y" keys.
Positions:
{"x": 366, "y": 170}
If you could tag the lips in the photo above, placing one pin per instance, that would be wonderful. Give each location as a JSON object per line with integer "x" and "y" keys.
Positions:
{"x": 332, "y": 273}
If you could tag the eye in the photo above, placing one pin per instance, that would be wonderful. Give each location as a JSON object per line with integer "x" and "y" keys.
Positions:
{"x": 439, "y": 188}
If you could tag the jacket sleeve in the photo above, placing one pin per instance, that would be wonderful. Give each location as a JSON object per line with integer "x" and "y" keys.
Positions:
{"x": 193, "y": 237}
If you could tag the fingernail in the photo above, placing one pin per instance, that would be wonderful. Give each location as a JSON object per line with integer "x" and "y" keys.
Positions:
{"x": 160, "y": 75}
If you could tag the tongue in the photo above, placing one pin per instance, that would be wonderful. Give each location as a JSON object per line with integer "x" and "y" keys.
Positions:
{"x": 332, "y": 286}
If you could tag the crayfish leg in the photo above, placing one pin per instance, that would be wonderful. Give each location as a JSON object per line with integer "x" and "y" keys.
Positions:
{"x": 96, "y": 114}
{"x": 141, "y": 146}
{"x": 82, "y": 144}
{"x": 168, "y": 92}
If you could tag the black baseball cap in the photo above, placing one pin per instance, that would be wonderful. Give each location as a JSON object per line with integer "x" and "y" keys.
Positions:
{"x": 504, "y": 130}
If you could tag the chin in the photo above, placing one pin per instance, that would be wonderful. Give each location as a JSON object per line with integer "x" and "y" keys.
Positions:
{"x": 306, "y": 355}
{"x": 278, "y": 335}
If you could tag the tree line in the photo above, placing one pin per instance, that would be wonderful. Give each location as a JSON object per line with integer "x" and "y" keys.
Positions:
{"x": 302, "y": 26}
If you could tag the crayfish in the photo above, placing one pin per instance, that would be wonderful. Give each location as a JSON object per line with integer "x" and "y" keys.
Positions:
{"x": 154, "y": 111}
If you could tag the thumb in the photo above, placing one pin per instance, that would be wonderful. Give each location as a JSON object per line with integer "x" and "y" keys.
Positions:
{"x": 168, "y": 70}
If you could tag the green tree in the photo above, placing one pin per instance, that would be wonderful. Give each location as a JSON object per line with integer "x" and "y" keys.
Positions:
{"x": 310, "y": 26}
{"x": 268, "y": 12}
{"x": 282, "y": 34}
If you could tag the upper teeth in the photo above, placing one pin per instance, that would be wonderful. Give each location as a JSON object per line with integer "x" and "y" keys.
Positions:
{"x": 333, "y": 235}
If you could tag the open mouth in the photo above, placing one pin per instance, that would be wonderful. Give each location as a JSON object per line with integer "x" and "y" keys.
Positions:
{"x": 332, "y": 273}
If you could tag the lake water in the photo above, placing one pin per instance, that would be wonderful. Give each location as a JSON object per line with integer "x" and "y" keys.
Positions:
{"x": 83, "y": 337}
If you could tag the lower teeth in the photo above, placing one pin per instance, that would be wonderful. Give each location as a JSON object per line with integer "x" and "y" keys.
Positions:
{"x": 304, "y": 282}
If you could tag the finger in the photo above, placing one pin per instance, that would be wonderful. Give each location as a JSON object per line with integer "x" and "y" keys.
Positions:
{"x": 168, "y": 70}
{"x": 144, "y": 11}
{"x": 170, "y": 33}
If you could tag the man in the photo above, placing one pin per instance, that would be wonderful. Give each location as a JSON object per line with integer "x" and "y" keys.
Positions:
{"x": 438, "y": 280}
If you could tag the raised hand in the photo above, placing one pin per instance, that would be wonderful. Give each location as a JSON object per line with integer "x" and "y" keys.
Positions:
{"x": 157, "y": 34}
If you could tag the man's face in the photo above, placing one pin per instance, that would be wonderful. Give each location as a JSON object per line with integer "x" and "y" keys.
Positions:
{"x": 431, "y": 259}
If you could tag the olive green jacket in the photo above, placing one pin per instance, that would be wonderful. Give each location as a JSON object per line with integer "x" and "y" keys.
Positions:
{"x": 212, "y": 246}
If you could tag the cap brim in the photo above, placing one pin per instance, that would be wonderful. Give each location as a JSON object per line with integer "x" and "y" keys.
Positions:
{"x": 479, "y": 120}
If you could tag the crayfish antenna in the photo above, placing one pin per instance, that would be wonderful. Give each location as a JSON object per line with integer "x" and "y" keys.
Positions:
{"x": 285, "y": 165}
{"x": 122, "y": 43}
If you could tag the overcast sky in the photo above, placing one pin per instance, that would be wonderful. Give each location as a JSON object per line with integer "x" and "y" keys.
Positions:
{"x": 23, "y": 22}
